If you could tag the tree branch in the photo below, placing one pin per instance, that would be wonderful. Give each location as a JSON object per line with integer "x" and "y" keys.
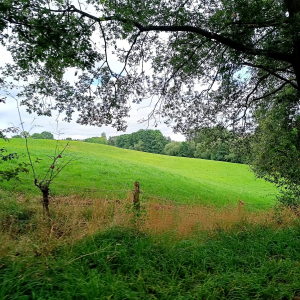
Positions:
{"x": 259, "y": 25}
{"x": 271, "y": 93}
{"x": 187, "y": 28}
{"x": 273, "y": 73}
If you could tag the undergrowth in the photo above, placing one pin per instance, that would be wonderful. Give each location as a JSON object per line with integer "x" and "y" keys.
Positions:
{"x": 94, "y": 250}
{"x": 254, "y": 263}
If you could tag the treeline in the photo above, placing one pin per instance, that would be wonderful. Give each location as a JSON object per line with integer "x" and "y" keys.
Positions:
{"x": 219, "y": 143}
{"x": 216, "y": 143}
{"x": 97, "y": 139}
{"x": 151, "y": 141}
{"x": 45, "y": 135}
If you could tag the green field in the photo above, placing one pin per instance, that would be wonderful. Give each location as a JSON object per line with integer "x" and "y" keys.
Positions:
{"x": 111, "y": 171}
{"x": 104, "y": 251}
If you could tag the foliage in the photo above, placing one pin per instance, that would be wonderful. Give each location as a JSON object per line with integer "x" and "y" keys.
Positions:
{"x": 247, "y": 263}
{"x": 47, "y": 135}
{"x": 219, "y": 143}
{"x": 38, "y": 136}
{"x": 172, "y": 149}
{"x": 239, "y": 51}
{"x": 97, "y": 140}
{"x": 151, "y": 141}
{"x": 11, "y": 172}
{"x": 240, "y": 149}
{"x": 44, "y": 135}
{"x": 112, "y": 140}
{"x": 205, "y": 62}
{"x": 211, "y": 143}
{"x": 276, "y": 146}
{"x": 187, "y": 149}
{"x": 138, "y": 147}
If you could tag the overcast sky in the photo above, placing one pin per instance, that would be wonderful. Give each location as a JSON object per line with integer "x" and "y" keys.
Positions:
{"x": 33, "y": 123}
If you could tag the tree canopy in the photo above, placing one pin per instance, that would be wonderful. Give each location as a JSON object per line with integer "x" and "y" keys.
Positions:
{"x": 202, "y": 61}
{"x": 151, "y": 141}
{"x": 276, "y": 146}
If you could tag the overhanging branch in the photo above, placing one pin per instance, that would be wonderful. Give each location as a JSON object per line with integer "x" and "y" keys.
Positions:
{"x": 187, "y": 28}
{"x": 273, "y": 73}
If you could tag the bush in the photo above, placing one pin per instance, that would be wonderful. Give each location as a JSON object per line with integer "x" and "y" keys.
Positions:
{"x": 97, "y": 140}
{"x": 38, "y": 136}
{"x": 172, "y": 149}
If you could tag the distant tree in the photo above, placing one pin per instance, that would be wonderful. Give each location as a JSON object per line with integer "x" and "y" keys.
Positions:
{"x": 103, "y": 134}
{"x": 187, "y": 149}
{"x": 97, "y": 140}
{"x": 47, "y": 135}
{"x": 172, "y": 149}
{"x": 240, "y": 149}
{"x": 212, "y": 142}
{"x": 139, "y": 146}
{"x": 38, "y": 136}
{"x": 68, "y": 139}
{"x": 17, "y": 136}
{"x": 123, "y": 141}
{"x": 153, "y": 140}
{"x": 112, "y": 140}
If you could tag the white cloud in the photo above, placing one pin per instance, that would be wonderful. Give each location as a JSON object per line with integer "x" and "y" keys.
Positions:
{"x": 9, "y": 116}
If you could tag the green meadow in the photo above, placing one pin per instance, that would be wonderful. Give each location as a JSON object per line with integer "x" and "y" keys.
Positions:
{"x": 111, "y": 172}
{"x": 102, "y": 250}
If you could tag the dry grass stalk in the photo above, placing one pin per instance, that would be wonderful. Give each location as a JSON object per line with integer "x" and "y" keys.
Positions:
{"x": 75, "y": 217}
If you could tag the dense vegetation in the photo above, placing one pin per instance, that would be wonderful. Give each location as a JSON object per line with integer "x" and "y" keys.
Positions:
{"x": 199, "y": 62}
{"x": 216, "y": 143}
{"x": 40, "y": 136}
{"x": 151, "y": 141}
{"x": 97, "y": 139}
{"x": 248, "y": 263}
{"x": 213, "y": 62}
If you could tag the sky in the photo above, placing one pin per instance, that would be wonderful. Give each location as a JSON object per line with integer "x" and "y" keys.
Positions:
{"x": 36, "y": 124}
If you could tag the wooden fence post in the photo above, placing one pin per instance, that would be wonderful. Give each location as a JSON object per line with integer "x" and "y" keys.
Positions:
{"x": 241, "y": 205}
{"x": 136, "y": 195}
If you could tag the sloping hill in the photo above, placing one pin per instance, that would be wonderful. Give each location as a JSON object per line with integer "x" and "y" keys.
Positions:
{"x": 112, "y": 171}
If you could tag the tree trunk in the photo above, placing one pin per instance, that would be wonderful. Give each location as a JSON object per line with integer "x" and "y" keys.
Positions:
{"x": 45, "y": 190}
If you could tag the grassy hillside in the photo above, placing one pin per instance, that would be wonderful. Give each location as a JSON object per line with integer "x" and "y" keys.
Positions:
{"x": 104, "y": 168}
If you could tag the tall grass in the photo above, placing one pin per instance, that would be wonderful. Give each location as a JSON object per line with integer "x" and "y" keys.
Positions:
{"x": 100, "y": 249}
{"x": 23, "y": 225}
